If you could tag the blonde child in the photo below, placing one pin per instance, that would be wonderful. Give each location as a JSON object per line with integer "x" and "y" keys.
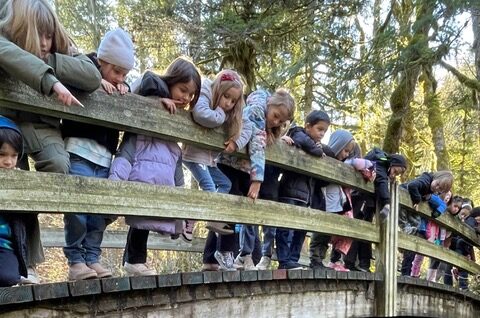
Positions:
{"x": 337, "y": 199}
{"x": 220, "y": 104}
{"x": 151, "y": 160}
{"x": 91, "y": 148}
{"x": 421, "y": 189}
{"x": 35, "y": 49}
{"x": 263, "y": 119}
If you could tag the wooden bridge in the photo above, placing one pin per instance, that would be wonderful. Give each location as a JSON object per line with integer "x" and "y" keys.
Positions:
{"x": 277, "y": 293}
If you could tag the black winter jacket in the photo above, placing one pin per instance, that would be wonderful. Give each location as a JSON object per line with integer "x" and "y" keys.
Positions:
{"x": 296, "y": 186}
{"x": 19, "y": 243}
{"x": 106, "y": 137}
{"x": 419, "y": 187}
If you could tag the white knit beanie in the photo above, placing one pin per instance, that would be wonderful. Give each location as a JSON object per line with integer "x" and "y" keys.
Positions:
{"x": 117, "y": 48}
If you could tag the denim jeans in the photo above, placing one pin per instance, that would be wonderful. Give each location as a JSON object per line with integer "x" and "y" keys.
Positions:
{"x": 84, "y": 232}
{"x": 248, "y": 235}
{"x": 209, "y": 179}
{"x": 289, "y": 252}
{"x": 9, "y": 271}
{"x": 268, "y": 239}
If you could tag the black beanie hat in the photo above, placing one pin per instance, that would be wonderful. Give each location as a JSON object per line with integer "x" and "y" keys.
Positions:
{"x": 398, "y": 160}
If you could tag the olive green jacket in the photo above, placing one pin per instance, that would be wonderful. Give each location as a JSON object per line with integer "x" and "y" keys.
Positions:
{"x": 76, "y": 71}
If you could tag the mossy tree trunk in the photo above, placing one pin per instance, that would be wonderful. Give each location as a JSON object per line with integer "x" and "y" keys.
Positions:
{"x": 411, "y": 61}
{"x": 435, "y": 120}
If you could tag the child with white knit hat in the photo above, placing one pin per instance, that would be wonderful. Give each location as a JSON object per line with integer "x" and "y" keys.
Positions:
{"x": 116, "y": 58}
{"x": 91, "y": 149}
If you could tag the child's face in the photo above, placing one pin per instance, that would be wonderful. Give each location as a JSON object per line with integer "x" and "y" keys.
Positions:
{"x": 230, "y": 98}
{"x": 183, "y": 93}
{"x": 395, "y": 171}
{"x": 454, "y": 207}
{"x": 45, "y": 44}
{"x": 345, "y": 152}
{"x": 438, "y": 186}
{"x": 112, "y": 73}
{"x": 317, "y": 131}
{"x": 8, "y": 157}
{"x": 276, "y": 116}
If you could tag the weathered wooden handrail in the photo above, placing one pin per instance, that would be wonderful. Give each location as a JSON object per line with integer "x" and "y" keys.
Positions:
{"x": 146, "y": 116}
{"x": 56, "y": 193}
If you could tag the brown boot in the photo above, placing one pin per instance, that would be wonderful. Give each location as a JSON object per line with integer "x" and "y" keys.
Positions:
{"x": 101, "y": 271}
{"x": 80, "y": 271}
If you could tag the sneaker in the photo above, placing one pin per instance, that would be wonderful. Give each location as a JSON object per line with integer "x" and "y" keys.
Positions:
{"x": 187, "y": 234}
{"x": 225, "y": 260}
{"x": 101, "y": 271}
{"x": 314, "y": 264}
{"x": 292, "y": 266}
{"x": 338, "y": 266}
{"x": 32, "y": 277}
{"x": 362, "y": 269}
{"x": 264, "y": 263}
{"x": 245, "y": 262}
{"x": 210, "y": 267}
{"x": 219, "y": 227}
{"x": 80, "y": 271}
{"x": 138, "y": 269}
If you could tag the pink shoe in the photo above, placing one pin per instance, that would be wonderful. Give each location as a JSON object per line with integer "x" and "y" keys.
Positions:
{"x": 338, "y": 266}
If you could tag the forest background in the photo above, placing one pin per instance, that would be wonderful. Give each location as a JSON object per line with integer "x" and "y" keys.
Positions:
{"x": 399, "y": 74}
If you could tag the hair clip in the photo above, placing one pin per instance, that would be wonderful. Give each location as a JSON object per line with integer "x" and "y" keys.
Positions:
{"x": 228, "y": 77}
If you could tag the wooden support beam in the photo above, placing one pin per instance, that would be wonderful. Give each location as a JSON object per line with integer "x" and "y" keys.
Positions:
{"x": 386, "y": 289}
{"x": 55, "y": 237}
{"x": 56, "y": 193}
{"x": 147, "y": 116}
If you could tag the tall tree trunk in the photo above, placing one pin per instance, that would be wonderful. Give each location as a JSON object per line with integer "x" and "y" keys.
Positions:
{"x": 96, "y": 38}
{"x": 435, "y": 120}
{"x": 476, "y": 36}
{"x": 309, "y": 83}
{"x": 362, "y": 93}
{"x": 404, "y": 92}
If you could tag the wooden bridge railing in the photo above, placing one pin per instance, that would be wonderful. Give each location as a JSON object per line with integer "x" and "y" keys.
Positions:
{"x": 54, "y": 193}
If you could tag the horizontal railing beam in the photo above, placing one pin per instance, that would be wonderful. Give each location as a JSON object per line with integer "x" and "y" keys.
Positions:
{"x": 55, "y": 237}
{"x": 26, "y": 191}
{"x": 147, "y": 116}
{"x": 424, "y": 247}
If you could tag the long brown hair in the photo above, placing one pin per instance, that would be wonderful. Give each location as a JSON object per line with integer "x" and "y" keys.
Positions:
{"x": 182, "y": 70}
{"x": 24, "y": 20}
{"x": 225, "y": 80}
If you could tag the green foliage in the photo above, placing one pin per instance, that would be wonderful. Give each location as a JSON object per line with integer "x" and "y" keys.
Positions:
{"x": 86, "y": 21}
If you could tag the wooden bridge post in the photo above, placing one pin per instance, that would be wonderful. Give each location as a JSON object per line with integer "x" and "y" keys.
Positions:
{"x": 386, "y": 289}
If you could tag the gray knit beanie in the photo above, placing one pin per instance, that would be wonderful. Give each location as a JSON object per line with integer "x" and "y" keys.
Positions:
{"x": 339, "y": 140}
{"x": 117, "y": 48}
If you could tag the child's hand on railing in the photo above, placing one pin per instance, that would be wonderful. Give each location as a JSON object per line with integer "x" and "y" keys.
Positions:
{"x": 369, "y": 175}
{"x": 108, "y": 87}
{"x": 122, "y": 89}
{"x": 64, "y": 95}
{"x": 254, "y": 190}
{"x": 230, "y": 146}
{"x": 287, "y": 140}
{"x": 170, "y": 104}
